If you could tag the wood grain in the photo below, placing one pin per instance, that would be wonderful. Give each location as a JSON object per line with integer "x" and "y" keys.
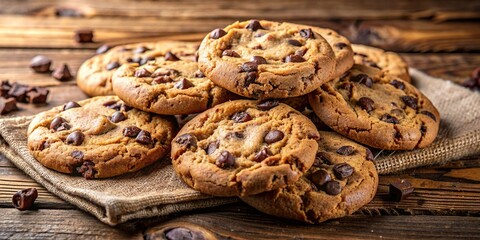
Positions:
{"x": 57, "y": 224}
{"x": 268, "y": 9}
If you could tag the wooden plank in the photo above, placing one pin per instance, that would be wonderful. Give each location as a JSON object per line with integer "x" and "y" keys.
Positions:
{"x": 57, "y": 224}
{"x": 269, "y": 9}
{"x": 243, "y": 222}
{"x": 398, "y": 35}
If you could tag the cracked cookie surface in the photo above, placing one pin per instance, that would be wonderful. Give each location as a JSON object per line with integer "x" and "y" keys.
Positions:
{"x": 264, "y": 59}
{"x": 99, "y": 137}
{"x": 171, "y": 85}
{"x": 389, "y": 62}
{"x": 341, "y": 180}
{"x": 244, "y": 147}
{"x": 94, "y": 76}
{"x": 377, "y": 109}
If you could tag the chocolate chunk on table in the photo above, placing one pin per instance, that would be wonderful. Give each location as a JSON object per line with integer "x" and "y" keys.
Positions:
{"x": 7, "y": 105}
{"x": 62, "y": 73}
{"x": 400, "y": 190}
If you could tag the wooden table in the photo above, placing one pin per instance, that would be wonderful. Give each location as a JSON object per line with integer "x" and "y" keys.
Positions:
{"x": 441, "y": 38}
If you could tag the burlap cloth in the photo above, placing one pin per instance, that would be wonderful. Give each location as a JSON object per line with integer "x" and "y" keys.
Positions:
{"x": 158, "y": 191}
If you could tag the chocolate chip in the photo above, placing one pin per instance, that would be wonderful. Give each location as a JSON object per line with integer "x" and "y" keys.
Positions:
{"x": 84, "y": 36}
{"x": 142, "y": 72}
{"x": 169, "y": 56}
{"x": 294, "y": 58}
{"x": 423, "y": 129}
{"x": 250, "y": 78}
{"x": 183, "y": 84}
{"x": 24, "y": 199}
{"x": 307, "y": 33}
{"x": 389, "y": 119}
{"x": 262, "y": 155}
{"x": 369, "y": 154}
{"x": 320, "y": 158}
{"x": 343, "y": 170}
{"x": 340, "y": 45}
{"x": 301, "y": 52}
{"x": 19, "y": 92}
{"x": 254, "y": 25}
{"x": 145, "y": 60}
{"x": 366, "y": 103}
{"x": 217, "y": 33}
{"x": 134, "y": 60}
{"x": 273, "y": 136}
{"x": 225, "y": 160}
{"x": 125, "y": 108}
{"x": 258, "y": 60}
{"x": 37, "y": 95}
{"x": 5, "y": 87}
{"x": 398, "y": 84}
{"x": 333, "y": 188}
{"x": 144, "y": 137}
{"x": 62, "y": 73}
{"x": 294, "y": 42}
{"x": 59, "y": 124}
{"x": 268, "y": 104}
{"x": 410, "y": 101}
{"x": 7, "y": 105}
{"x": 320, "y": 177}
{"x": 111, "y": 104}
{"x": 240, "y": 117}
{"x": 183, "y": 234}
{"x": 117, "y": 117}
{"x": 112, "y": 65}
{"x": 199, "y": 74}
{"x": 429, "y": 114}
{"x": 249, "y": 67}
{"x": 103, "y": 49}
{"x": 75, "y": 138}
{"x": 77, "y": 155}
{"x": 346, "y": 150}
{"x": 188, "y": 140}
{"x": 400, "y": 190}
{"x": 40, "y": 64}
{"x": 363, "y": 79}
{"x": 87, "y": 170}
{"x": 212, "y": 147}
{"x": 230, "y": 53}
{"x": 141, "y": 49}
{"x": 70, "y": 104}
{"x": 131, "y": 131}
{"x": 162, "y": 79}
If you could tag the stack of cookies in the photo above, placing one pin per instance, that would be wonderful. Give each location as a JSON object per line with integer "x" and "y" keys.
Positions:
{"x": 274, "y": 113}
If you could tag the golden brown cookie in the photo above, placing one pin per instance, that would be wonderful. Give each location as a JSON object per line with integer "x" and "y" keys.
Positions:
{"x": 99, "y": 137}
{"x": 341, "y": 180}
{"x": 264, "y": 59}
{"x": 244, "y": 147}
{"x": 389, "y": 62}
{"x": 170, "y": 85}
{"x": 94, "y": 76}
{"x": 377, "y": 109}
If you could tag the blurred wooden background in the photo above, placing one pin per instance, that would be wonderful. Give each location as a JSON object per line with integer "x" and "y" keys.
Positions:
{"x": 440, "y": 37}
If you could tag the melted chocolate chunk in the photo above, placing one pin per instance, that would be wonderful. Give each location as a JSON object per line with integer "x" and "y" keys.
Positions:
{"x": 199, "y": 74}
{"x": 366, "y": 103}
{"x": 87, "y": 170}
{"x": 103, "y": 49}
{"x": 265, "y": 105}
{"x": 212, "y": 147}
{"x": 294, "y": 42}
{"x": 250, "y": 78}
{"x": 141, "y": 49}
{"x": 262, "y": 155}
{"x": 254, "y": 25}
{"x": 162, "y": 79}
{"x": 321, "y": 158}
{"x": 389, "y": 119}
{"x": 294, "y": 58}
{"x": 145, "y": 60}
{"x": 59, "y": 124}
{"x": 183, "y": 84}
{"x": 131, "y": 131}
{"x": 70, "y": 105}
{"x": 346, "y": 150}
{"x": 307, "y": 33}
{"x": 340, "y": 45}
{"x": 363, "y": 79}
{"x": 249, "y": 67}
{"x": 77, "y": 155}
{"x": 217, "y": 33}
{"x": 301, "y": 52}
{"x": 333, "y": 188}
{"x": 169, "y": 56}
{"x": 320, "y": 178}
{"x": 258, "y": 60}
{"x": 117, "y": 117}
{"x": 369, "y": 154}
{"x": 225, "y": 160}
{"x": 240, "y": 117}
{"x": 230, "y": 53}
{"x": 410, "y": 101}
{"x": 398, "y": 84}
{"x": 429, "y": 114}
{"x": 273, "y": 136}
{"x": 112, "y": 65}
{"x": 24, "y": 199}
{"x": 75, "y": 138}
{"x": 343, "y": 170}
{"x": 144, "y": 137}
{"x": 142, "y": 72}
{"x": 188, "y": 140}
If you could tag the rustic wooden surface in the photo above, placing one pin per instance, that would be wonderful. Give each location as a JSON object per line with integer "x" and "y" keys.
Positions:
{"x": 441, "y": 38}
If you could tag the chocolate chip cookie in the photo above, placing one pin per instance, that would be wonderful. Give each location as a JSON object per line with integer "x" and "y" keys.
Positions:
{"x": 98, "y": 138}
{"x": 341, "y": 180}
{"x": 244, "y": 147}
{"x": 389, "y": 62}
{"x": 377, "y": 109}
{"x": 95, "y": 75}
{"x": 171, "y": 85}
{"x": 264, "y": 59}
